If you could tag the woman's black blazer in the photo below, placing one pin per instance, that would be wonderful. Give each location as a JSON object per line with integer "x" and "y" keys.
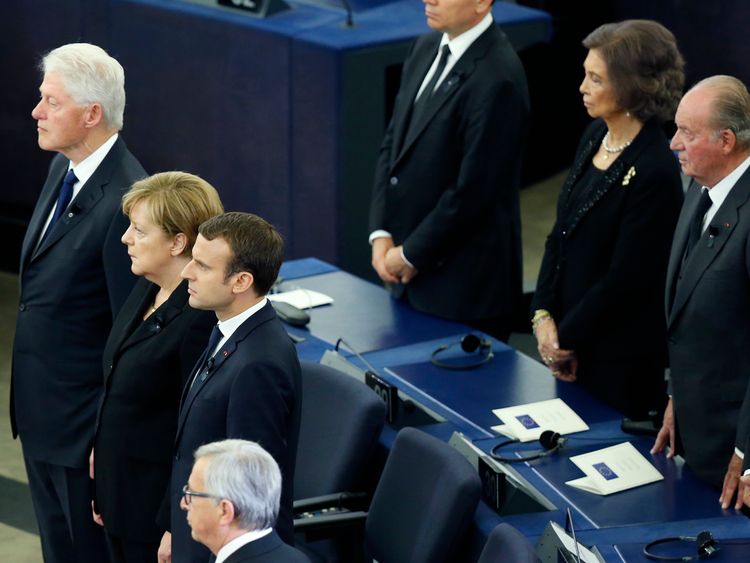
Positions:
{"x": 604, "y": 267}
{"x": 146, "y": 364}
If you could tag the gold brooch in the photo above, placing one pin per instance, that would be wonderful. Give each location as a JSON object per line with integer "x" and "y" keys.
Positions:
{"x": 628, "y": 176}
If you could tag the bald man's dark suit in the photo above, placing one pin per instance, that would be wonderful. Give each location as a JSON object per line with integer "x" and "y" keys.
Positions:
{"x": 447, "y": 187}
{"x": 708, "y": 323}
{"x": 72, "y": 286}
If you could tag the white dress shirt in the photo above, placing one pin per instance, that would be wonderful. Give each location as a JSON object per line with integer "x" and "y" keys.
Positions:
{"x": 239, "y": 542}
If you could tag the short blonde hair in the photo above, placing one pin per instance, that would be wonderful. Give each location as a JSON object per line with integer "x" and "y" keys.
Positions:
{"x": 178, "y": 202}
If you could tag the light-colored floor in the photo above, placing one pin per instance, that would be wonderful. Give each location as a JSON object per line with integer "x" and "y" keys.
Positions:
{"x": 19, "y": 541}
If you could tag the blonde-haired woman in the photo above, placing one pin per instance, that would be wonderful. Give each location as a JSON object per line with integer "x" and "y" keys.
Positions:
{"x": 155, "y": 340}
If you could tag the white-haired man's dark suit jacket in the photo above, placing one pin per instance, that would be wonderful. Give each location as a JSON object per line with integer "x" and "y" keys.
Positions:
{"x": 708, "y": 319}
{"x": 71, "y": 287}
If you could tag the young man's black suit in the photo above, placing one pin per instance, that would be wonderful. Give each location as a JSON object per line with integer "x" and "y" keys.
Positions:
{"x": 253, "y": 392}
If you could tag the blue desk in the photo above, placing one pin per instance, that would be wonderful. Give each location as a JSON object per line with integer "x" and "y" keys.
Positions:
{"x": 366, "y": 316}
{"x": 626, "y": 543}
{"x": 398, "y": 342}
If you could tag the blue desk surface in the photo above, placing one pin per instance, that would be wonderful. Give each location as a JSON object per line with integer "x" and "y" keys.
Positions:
{"x": 390, "y": 334}
{"x": 403, "y": 20}
{"x": 366, "y": 316}
{"x": 626, "y": 543}
{"x": 302, "y": 267}
{"x": 509, "y": 379}
{"x": 680, "y": 496}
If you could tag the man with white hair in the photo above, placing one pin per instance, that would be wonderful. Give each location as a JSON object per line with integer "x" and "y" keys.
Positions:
{"x": 74, "y": 275}
{"x": 232, "y": 502}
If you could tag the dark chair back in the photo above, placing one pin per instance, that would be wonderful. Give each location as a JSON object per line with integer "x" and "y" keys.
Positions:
{"x": 507, "y": 545}
{"x": 426, "y": 497}
{"x": 341, "y": 421}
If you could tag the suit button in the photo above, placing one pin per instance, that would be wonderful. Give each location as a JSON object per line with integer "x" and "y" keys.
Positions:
{"x": 565, "y": 233}
{"x": 177, "y": 456}
{"x": 394, "y": 181}
{"x": 22, "y": 306}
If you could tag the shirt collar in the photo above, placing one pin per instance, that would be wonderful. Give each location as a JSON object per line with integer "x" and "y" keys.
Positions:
{"x": 239, "y": 542}
{"x": 720, "y": 191}
{"x": 86, "y": 168}
{"x": 459, "y": 44}
{"x": 228, "y": 326}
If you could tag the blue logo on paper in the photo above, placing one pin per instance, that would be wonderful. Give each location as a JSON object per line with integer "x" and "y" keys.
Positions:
{"x": 527, "y": 421}
{"x": 605, "y": 471}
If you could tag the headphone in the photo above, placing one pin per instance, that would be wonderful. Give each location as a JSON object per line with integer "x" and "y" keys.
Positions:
{"x": 550, "y": 440}
{"x": 470, "y": 343}
{"x": 704, "y": 541}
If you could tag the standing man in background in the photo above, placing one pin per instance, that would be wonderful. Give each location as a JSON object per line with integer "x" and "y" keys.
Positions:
{"x": 74, "y": 276}
{"x": 444, "y": 218}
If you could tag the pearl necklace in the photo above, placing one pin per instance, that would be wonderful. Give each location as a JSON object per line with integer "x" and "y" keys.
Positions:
{"x": 613, "y": 150}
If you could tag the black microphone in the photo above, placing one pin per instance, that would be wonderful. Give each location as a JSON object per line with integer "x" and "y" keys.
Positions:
{"x": 349, "y": 17}
{"x": 73, "y": 210}
{"x": 158, "y": 322}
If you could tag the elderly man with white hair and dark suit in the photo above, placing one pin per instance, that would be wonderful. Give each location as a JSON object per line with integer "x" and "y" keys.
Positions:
{"x": 708, "y": 288}
{"x": 74, "y": 276}
{"x": 232, "y": 503}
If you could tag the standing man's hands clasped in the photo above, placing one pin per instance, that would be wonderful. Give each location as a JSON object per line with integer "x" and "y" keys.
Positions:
{"x": 380, "y": 247}
{"x": 388, "y": 261}
{"x": 397, "y": 266}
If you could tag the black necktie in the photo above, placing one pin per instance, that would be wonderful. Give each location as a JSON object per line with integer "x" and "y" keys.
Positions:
{"x": 696, "y": 223}
{"x": 208, "y": 362}
{"x": 63, "y": 199}
{"x": 421, "y": 102}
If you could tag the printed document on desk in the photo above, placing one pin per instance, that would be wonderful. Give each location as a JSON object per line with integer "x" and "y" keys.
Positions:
{"x": 614, "y": 469}
{"x": 302, "y": 298}
{"x": 527, "y": 422}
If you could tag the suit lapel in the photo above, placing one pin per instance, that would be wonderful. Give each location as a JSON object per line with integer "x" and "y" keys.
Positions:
{"x": 42, "y": 210}
{"x": 612, "y": 177}
{"x": 710, "y": 244}
{"x": 142, "y": 294}
{"x": 406, "y": 98}
{"x": 447, "y": 89}
{"x": 81, "y": 205}
{"x": 161, "y": 318}
{"x": 86, "y": 199}
{"x": 222, "y": 357}
{"x": 679, "y": 240}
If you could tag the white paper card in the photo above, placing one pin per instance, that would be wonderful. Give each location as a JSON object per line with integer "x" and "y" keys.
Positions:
{"x": 302, "y": 298}
{"x": 614, "y": 469}
{"x": 527, "y": 422}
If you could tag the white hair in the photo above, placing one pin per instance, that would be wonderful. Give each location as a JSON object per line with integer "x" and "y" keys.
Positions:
{"x": 90, "y": 75}
{"x": 246, "y": 475}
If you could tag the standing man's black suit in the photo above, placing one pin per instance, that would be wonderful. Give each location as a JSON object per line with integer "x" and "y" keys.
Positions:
{"x": 252, "y": 392}
{"x": 708, "y": 307}
{"x": 146, "y": 364}
{"x": 446, "y": 185}
{"x": 72, "y": 285}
